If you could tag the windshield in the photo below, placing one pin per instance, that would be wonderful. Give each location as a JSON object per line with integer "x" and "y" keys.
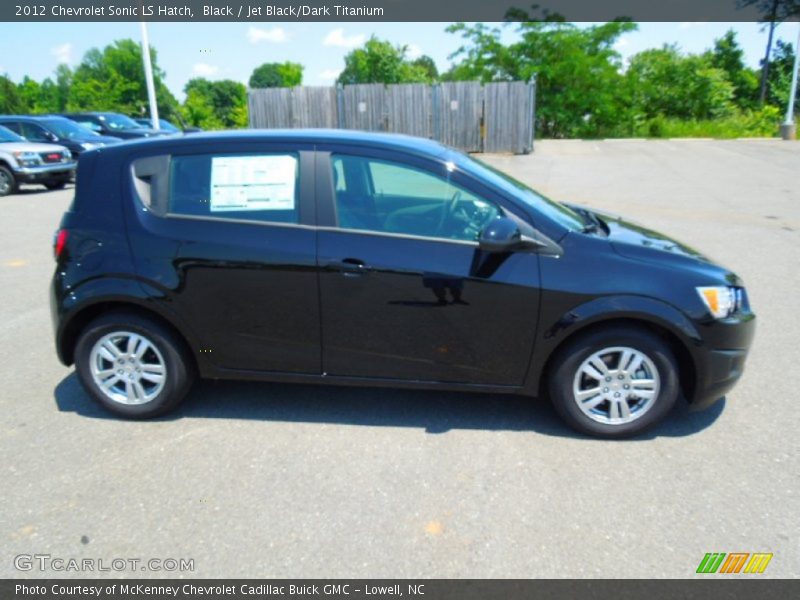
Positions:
{"x": 119, "y": 122}
{"x": 66, "y": 129}
{"x": 167, "y": 126}
{"x": 6, "y": 135}
{"x": 559, "y": 213}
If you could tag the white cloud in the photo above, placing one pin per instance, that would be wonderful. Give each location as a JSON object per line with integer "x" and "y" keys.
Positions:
{"x": 63, "y": 53}
{"x": 413, "y": 51}
{"x": 275, "y": 35}
{"x": 338, "y": 38}
{"x": 693, "y": 24}
{"x": 329, "y": 74}
{"x": 205, "y": 70}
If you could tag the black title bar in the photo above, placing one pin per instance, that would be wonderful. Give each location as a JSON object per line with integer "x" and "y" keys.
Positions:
{"x": 387, "y": 10}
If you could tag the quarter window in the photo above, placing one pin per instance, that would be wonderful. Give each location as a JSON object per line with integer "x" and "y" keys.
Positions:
{"x": 256, "y": 187}
{"x": 390, "y": 197}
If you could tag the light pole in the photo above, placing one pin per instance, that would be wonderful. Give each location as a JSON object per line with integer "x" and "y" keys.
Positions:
{"x": 148, "y": 76}
{"x": 789, "y": 128}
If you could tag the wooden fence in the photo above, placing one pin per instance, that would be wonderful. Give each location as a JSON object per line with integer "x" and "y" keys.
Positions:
{"x": 495, "y": 117}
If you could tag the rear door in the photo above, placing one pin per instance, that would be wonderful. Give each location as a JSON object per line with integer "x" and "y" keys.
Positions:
{"x": 233, "y": 246}
{"x": 405, "y": 291}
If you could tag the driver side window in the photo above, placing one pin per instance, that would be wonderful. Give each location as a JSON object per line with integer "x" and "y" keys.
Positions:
{"x": 390, "y": 197}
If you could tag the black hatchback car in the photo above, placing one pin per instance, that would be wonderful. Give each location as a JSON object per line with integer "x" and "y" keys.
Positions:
{"x": 377, "y": 260}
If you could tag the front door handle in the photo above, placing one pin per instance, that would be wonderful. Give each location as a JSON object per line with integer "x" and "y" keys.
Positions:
{"x": 351, "y": 267}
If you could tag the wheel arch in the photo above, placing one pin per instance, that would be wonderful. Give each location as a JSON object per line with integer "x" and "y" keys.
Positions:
{"x": 654, "y": 316}
{"x": 81, "y": 318}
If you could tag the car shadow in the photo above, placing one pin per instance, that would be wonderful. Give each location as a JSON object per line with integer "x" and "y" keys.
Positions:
{"x": 435, "y": 412}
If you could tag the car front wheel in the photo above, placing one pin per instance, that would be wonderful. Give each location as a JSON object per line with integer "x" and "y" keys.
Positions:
{"x": 614, "y": 382}
{"x": 132, "y": 365}
{"x": 7, "y": 181}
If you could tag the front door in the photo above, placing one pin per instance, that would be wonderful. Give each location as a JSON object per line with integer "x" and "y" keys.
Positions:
{"x": 405, "y": 291}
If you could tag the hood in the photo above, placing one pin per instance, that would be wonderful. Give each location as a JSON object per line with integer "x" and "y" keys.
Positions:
{"x": 31, "y": 147}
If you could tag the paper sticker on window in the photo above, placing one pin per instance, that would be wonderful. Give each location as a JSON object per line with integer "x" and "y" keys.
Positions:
{"x": 253, "y": 183}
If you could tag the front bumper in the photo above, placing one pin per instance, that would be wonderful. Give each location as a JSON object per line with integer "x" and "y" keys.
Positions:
{"x": 39, "y": 174}
{"x": 720, "y": 361}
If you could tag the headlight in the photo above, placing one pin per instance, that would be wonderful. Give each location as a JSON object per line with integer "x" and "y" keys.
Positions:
{"x": 27, "y": 159}
{"x": 721, "y": 301}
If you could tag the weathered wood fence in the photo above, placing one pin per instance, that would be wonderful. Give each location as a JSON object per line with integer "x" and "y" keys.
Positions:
{"x": 495, "y": 117}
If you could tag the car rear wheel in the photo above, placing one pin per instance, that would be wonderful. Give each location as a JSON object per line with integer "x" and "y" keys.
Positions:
{"x": 614, "y": 382}
{"x": 7, "y": 181}
{"x": 132, "y": 365}
{"x": 56, "y": 185}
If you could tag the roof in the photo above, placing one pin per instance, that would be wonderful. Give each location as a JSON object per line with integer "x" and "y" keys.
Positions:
{"x": 362, "y": 138}
{"x": 34, "y": 117}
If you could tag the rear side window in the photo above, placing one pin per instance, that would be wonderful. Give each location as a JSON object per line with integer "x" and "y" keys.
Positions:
{"x": 255, "y": 187}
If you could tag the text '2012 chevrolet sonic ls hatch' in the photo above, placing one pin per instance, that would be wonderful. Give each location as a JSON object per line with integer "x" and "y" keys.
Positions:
{"x": 368, "y": 259}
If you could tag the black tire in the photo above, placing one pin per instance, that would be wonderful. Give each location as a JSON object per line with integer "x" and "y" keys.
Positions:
{"x": 570, "y": 358}
{"x": 56, "y": 185}
{"x": 180, "y": 372}
{"x": 8, "y": 183}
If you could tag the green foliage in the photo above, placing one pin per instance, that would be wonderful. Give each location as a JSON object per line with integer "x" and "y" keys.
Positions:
{"x": 763, "y": 122}
{"x": 269, "y": 75}
{"x": 215, "y": 104}
{"x": 379, "y": 61}
{"x": 10, "y": 100}
{"x": 780, "y": 76}
{"x": 728, "y": 56}
{"x": 580, "y": 91}
{"x": 663, "y": 82}
{"x": 113, "y": 79}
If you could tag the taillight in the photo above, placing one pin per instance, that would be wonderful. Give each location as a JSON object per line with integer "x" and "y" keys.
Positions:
{"x": 60, "y": 242}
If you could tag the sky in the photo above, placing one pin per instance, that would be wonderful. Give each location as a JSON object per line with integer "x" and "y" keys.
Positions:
{"x": 233, "y": 50}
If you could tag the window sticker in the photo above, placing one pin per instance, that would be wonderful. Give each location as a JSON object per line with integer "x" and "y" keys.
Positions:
{"x": 241, "y": 183}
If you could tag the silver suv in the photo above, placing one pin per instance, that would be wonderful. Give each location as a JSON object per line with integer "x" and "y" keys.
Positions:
{"x": 22, "y": 161}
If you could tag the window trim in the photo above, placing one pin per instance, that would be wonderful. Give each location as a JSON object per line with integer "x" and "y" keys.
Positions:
{"x": 326, "y": 193}
{"x": 304, "y": 191}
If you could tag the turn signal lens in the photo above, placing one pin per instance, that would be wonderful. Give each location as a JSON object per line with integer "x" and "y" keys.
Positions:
{"x": 720, "y": 301}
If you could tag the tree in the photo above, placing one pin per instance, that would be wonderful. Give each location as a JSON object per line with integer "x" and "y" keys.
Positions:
{"x": 113, "y": 79}
{"x": 772, "y": 13}
{"x": 580, "y": 87}
{"x": 426, "y": 64}
{"x": 10, "y": 101}
{"x": 780, "y": 76}
{"x": 728, "y": 56}
{"x": 215, "y": 104}
{"x": 665, "y": 83}
{"x": 270, "y": 75}
{"x": 379, "y": 61}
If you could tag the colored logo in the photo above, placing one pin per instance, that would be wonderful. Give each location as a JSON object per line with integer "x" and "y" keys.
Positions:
{"x": 735, "y": 562}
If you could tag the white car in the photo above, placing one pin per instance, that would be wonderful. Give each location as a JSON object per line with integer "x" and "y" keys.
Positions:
{"x": 22, "y": 161}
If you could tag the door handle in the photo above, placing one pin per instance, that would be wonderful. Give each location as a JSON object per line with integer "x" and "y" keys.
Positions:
{"x": 351, "y": 267}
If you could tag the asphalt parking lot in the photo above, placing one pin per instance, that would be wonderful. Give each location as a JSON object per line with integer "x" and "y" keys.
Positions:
{"x": 271, "y": 480}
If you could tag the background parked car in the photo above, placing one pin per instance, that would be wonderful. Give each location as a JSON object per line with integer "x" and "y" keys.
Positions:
{"x": 51, "y": 129}
{"x": 113, "y": 124}
{"x": 167, "y": 126}
{"x": 22, "y": 161}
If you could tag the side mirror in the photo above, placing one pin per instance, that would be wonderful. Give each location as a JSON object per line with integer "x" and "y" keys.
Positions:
{"x": 501, "y": 235}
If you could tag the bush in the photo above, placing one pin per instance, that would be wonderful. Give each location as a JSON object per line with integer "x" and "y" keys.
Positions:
{"x": 757, "y": 123}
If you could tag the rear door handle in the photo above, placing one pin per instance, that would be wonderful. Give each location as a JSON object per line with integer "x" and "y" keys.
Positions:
{"x": 351, "y": 267}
